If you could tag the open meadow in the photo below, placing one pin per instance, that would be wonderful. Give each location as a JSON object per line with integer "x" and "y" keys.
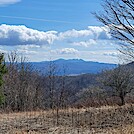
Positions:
{"x": 103, "y": 120}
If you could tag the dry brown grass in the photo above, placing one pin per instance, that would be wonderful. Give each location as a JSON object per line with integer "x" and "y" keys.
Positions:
{"x": 104, "y": 120}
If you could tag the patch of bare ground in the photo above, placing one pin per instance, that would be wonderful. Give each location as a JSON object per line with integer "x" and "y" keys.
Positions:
{"x": 104, "y": 120}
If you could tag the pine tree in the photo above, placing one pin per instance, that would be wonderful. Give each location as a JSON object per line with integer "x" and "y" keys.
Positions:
{"x": 3, "y": 70}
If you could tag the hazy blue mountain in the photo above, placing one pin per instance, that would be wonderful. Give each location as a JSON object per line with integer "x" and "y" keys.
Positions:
{"x": 74, "y": 66}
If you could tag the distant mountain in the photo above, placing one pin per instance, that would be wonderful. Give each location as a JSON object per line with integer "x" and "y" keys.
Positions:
{"x": 74, "y": 66}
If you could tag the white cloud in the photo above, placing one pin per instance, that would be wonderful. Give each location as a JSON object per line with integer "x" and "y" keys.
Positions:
{"x": 7, "y": 2}
{"x": 113, "y": 54}
{"x": 3, "y": 51}
{"x": 26, "y": 47}
{"x": 25, "y": 51}
{"x": 65, "y": 51}
{"x": 11, "y": 35}
{"x": 74, "y": 33}
{"x": 21, "y": 35}
{"x": 85, "y": 43}
{"x": 93, "y": 43}
{"x": 93, "y": 32}
{"x": 100, "y": 56}
{"x": 101, "y": 33}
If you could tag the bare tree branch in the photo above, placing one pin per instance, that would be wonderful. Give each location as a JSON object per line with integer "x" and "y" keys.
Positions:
{"x": 118, "y": 16}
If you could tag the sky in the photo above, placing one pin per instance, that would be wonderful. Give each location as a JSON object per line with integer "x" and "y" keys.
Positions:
{"x": 52, "y": 29}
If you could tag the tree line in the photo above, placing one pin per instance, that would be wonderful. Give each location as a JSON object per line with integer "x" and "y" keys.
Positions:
{"x": 23, "y": 88}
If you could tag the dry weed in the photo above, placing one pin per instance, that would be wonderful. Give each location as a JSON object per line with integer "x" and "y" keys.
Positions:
{"x": 104, "y": 120}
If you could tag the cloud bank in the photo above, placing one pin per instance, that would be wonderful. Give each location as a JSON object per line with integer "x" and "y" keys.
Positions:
{"x": 21, "y": 35}
{"x": 87, "y": 43}
{"x": 94, "y": 43}
{"x": 11, "y": 35}
{"x": 65, "y": 51}
{"x": 93, "y": 32}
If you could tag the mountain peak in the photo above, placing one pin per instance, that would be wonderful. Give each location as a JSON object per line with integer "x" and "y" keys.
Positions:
{"x": 77, "y": 66}
{"x": 59, "y": 60}
{"x": 69, "y": 60}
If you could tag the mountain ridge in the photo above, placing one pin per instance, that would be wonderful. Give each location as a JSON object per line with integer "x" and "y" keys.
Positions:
{"x": 75, "y": 66}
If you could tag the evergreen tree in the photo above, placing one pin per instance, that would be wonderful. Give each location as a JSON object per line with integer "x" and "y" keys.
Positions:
{"x": 3, "y": 70}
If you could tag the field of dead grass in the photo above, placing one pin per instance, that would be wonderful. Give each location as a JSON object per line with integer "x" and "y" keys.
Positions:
{"x": 104, "y": 120}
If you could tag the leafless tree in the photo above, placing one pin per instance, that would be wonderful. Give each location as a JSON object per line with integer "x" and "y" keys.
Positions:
{"x": 22, "y": 86}
{"x": 118, "y": 16}
{"x": 51, "y": 87}
{"x": 62, "y": 97}
{"x": 120, "y": 81}
{"x": 91, "y": 96}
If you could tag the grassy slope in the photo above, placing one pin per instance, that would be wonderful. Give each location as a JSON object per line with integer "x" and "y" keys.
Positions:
{"x": 104, "y": 120}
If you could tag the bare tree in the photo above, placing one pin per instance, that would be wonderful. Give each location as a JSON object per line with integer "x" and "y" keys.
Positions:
{"x": 22, "y": 85}
{"x": 62, "y": 97}
{"x": 118, "y": 16}
{"x": 50, "y": 85}
{"x": 120, "y": 81}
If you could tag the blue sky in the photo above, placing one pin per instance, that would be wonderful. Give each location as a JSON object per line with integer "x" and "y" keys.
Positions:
{"x": 44, "y": 29}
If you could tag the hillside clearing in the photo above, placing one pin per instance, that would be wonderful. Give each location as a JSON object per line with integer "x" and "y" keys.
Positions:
{"x": 104, "y": 120}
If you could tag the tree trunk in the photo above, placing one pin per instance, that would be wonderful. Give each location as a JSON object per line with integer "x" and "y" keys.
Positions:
{"x": 122, "y": 100}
